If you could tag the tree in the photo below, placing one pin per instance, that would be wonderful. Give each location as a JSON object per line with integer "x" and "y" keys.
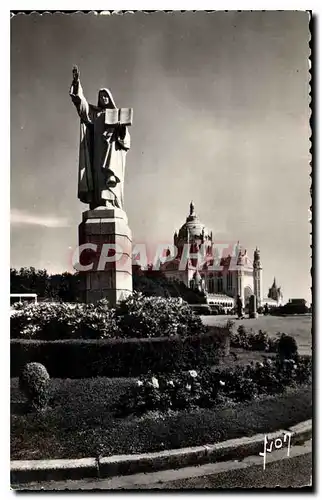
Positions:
{"x": 154, "y": 283}
{"x": 64, "y": 287}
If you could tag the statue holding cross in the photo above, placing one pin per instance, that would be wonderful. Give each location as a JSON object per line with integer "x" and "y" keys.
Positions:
{"x": 104, "y": 143}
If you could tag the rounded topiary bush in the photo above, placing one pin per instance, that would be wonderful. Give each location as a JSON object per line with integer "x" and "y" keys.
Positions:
{"x": 34, "y": 383}
{"x": 287, "y": 347}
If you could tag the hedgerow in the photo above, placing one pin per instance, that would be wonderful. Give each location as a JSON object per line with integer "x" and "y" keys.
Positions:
{"x": 121, "y": 357}
{"x": 136, "y": 317}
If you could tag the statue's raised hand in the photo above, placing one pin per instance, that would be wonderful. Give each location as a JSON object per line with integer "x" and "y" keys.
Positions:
{"x": 75, "y": 74}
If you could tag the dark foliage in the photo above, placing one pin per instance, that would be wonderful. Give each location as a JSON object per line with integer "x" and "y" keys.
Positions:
{"x": 287, "y": 347}
{"x": 154, "y": 283}
{"x": 252, "y": 341}
{"x": 208, "y": 388}
{"x": 34, "y": 383}
{"x": 140, "y": 316}
{"x": 121, "y": 357}
{"x": 81, "y": 422}
{"x": 289, "y": 308}
{"x": 65, "y": 287}
{"x": 136, "y": 317}
{"x": 59, "y": 287}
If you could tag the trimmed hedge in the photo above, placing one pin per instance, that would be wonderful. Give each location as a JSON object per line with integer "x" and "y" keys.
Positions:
{"x": 121, "y": 357}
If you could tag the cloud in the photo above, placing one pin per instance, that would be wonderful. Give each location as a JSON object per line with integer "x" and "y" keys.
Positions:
{"x": 22, "y": 217}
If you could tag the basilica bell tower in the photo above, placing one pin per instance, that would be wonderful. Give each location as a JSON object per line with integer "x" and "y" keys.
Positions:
{"x": 257, "y": 275}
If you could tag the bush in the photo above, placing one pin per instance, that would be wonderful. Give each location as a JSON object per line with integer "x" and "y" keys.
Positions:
{"x": 251, "y": 341}
{"x": 139, "y": 316}
{"x": 287, "y": 347}
{"x": 289, "y": 308}
{"x": 49, "y": 321}
{"x": 121, "y": 357}
{"x": 161, "y": 393}
{"x": 207, "y": 388}
{"x": 136, "y": 317}
{"x": 34, "y": 382}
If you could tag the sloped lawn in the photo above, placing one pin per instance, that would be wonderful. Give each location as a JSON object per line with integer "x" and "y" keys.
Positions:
{"x": 81, "y": 421}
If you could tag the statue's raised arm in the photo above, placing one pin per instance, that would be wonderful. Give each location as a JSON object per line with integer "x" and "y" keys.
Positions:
{"x": 78, "y": 98}
{"x": 75, "y": 79}
{"x": 75, "y": 73}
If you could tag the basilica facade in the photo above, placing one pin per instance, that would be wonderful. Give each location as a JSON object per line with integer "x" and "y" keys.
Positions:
{"x": 201, "y": 264}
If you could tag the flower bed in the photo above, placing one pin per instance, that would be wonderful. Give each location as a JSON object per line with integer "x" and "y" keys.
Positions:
{"x": 80, "y": 421}
{"x": 208, "y": 388}
{"x": 136, "y": 317}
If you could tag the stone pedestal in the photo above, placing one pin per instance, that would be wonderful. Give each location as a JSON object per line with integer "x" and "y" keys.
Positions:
{"x": 105, "y": 255}
{"x": 252, "y": 307}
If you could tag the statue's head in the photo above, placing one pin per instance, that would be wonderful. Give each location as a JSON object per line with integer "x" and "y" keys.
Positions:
{"x": 105, "y": 99}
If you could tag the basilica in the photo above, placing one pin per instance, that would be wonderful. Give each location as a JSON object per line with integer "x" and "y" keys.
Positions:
{"x": 201, "y": 264}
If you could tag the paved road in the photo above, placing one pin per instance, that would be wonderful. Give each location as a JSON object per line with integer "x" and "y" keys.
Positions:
{"x": 283, "y": 471}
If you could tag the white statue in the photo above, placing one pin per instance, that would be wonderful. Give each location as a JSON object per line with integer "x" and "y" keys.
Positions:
{"x": 103, "y": 149}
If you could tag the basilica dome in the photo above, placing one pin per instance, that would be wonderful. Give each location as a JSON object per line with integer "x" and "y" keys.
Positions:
{"x": 193, "y": 228}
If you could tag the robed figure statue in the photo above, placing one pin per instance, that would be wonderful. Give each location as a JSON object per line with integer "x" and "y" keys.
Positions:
{"x": 102, "y": 151}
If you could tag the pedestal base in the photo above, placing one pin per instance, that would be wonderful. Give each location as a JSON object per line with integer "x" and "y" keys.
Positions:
{"x": 105, "y": 253}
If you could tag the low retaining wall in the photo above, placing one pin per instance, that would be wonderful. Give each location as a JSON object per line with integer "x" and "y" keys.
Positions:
{"x": 118, "y": 465}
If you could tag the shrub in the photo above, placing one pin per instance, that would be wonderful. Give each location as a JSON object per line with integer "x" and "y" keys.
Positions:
{"x": 95, "y": 322}
{"x": 303, "y": 370}
{"x": 207, "y": 388}
{"x": 287, "y": 347}
{"x": 241, "y": 339}
{"x": 251, "y": 341}
{"x": 62, "y": 321}
{"x": 289, "y": 308}
{"x": 136, "y": 317}
{"x": 139, "y": 316}
{"x": 179, "y": 391}
{"x": 34, "y": 382}
{"x": 121, "y": 357}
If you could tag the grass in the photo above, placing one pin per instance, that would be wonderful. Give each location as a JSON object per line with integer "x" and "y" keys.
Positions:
{"x": 81, "y": 422}
{"x": 299, "y": 326}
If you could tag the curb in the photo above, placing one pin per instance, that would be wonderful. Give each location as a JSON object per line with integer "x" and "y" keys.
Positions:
{"x": 24, "y": 471}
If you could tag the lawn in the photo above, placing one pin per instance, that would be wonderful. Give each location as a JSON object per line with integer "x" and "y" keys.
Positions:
{"x": 299, "y": 326}
{"x": 81, "y": 421}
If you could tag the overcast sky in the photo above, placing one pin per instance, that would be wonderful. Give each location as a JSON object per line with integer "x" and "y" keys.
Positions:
{"x": 221, "y": 116}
